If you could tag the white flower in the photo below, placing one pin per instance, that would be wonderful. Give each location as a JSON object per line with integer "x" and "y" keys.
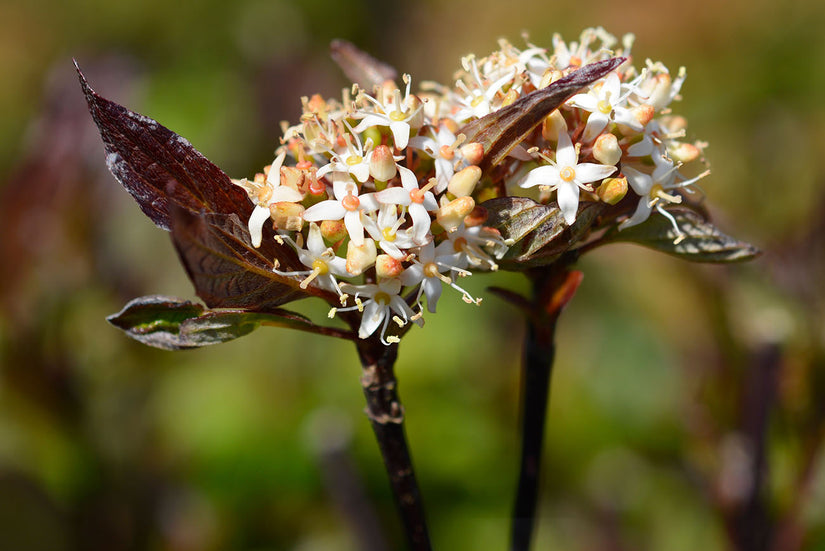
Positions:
{"x": 427, "y": 270}
{"x": 478, "y": 101}
{"x": 400, "y": 115}
{"x": 348, "y": 204}
{"x": 383, "y": 299}
{"x": 442, "y": 148}
{"x": 355, "y": 160}
{"x": 654, "y": 189}
{"x": 417, "y": 200}
{"x": 324, "y": 264}
{"x": 566, "y": 176}
{"x": 264, "y": 194}
{"x": 603, "y": 101}
{"x": 385, "y": 231}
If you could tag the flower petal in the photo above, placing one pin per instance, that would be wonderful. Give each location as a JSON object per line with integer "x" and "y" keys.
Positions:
{"x": 568, "y": 198}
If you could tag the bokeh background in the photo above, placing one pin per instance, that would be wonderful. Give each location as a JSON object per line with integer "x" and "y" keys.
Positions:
{"x": 688, "y": 401}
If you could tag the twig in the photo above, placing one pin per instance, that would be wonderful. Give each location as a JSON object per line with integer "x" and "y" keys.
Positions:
{"x": 553, "y": 287}
{"x": 387, "y": 418}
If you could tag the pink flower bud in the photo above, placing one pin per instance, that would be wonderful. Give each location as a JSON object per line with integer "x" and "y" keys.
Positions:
{"x": 382, "y": 164}
{"x": 464, "y": 181}
{"x": 387, "y": 267}
{"x": 606, "y": 149}
{"x": 451, "y": 215}
{"x": 360, "y": 257}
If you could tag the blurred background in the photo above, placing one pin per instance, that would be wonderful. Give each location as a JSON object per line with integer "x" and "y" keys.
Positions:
{"x": 688, "y": 401}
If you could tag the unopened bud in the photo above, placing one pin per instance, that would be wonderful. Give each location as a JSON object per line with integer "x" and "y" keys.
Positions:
{"x": 333, "y": 231}
{"x": 683, "y": 152}
{"x": 549, "y": 77}
{"x": 464, "y": 181}
{"x": 382, "y": 164}
{"x": 451, "y": 215}
{"x": 294, "y": 177}
{"x": 413, "y": 105}
{"x": 606, "y": 149}
{"x": 552, "y": 125}
{"x": 473, "y": 152}
{"x": 612, "y": 190}
{"x": 659, "y": 96}
{"x": 387, "y": 267}
{"x": 477, "y": 217}
{"x": 360, "y": 257}
{"x": 510, "y": 97}
{"x": 673, "y": 123}
{"x": 643, "y": 113}
{"x": 287, "y": 215}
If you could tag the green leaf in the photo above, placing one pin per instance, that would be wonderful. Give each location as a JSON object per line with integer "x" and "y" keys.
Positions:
{"x": 703, "y": 241}
{"x": 175, "y": 324}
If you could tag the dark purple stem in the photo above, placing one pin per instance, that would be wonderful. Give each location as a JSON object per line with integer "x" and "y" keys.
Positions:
{"x": 387, "y": 418}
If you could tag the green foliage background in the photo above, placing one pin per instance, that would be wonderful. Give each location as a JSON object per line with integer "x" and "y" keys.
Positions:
{"x": 663, "y": 367}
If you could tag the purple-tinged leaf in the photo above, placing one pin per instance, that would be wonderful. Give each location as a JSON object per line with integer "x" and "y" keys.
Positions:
{"x": 227, "y": 272}
{"x": 501, "y": 131}
{"x": 702, "y": 242}
{"x": 146, "y": 157}
{"x": 359, "y": 66}
{"x": 538, "y": 232}
{"x": 174, "y": 324}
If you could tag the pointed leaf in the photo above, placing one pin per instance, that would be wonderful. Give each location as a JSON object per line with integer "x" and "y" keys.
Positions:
{"x": 174, "y": 324}
{"x": 145, "y": 157}
{"x": 501, "y": 131}
{"x": 359, "y": 66}
{"x": 703, "y": 242}
{"x": 226, "y": 271}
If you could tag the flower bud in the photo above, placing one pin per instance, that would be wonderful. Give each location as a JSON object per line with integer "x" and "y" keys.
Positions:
{"x": 552, "y": 125}
{"x": 451, "y": 215}
{"x": 643, "y": 113}
{"x": 659, "y": 96}
{"x": 473, "y": 152}
{"x": 612, "y": 190}
{"x": 333, "y": 231}
{"x": 549, "y": 77}
{"x": 294, "y": 177}
{"x": 464, "y": 181}
{"x": 359, "y": 258}
{"x": 382, "y": 164}
{"x": 387, "y": 267}
{"x": 510, "y": 97}
{"x": 683, "y": 152}
{"x": 606, "y": 149}
{"x": 287, "y": 215}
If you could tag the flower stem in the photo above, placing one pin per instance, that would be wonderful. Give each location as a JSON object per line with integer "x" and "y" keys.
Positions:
{"x": 387, "y": 418}
{"x": 553, "y": 287}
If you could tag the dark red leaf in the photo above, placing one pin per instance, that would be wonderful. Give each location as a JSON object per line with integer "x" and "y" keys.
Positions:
{"x": 226, "y": 271}
{"x": 146, "y": 157}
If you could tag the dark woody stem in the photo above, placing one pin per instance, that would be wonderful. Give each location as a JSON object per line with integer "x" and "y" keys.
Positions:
{"x": 553, "y": 286}
{"x": 387, "y": 418}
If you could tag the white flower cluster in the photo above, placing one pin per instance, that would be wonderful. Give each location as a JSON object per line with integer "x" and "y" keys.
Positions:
{"x": 380, "y": 198}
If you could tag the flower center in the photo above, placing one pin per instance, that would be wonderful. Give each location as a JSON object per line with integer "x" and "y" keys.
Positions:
{"x": 604, "y": 106}
{"x": 381, "y": 298}
{"x": 476, "y": 101}
{"x": 350, "y": 202}
{"x": 389, "y": 234}
{"x": 431, "y": 269}
{"x": 353, "y": 160}
{"x": 397, "y": 116}
{"x": 567, "y": 174}
{"x": 447, "y": 152}
{"x": 320, "y": 266}
{"x": 316, "y": 187}
{"x": 460, "y": 244}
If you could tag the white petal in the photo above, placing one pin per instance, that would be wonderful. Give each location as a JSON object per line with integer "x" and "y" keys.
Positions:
{"x": 325, "y": 210}
{"x": 547, "y": 175}
{"x": 595, "y": 124}
{"x": 372, "y": 317}
{"x": 355, "y": 228}
{"x": 273, "y": 177}
{"x": 588, "y": 102}
{"x": 256, "y": 221}
{"x": 568, "y": 197}
{"x": 400, "y": 133}
{"x": 639, "y": 182}
{"x": 421, "y": 222}
{"x": 361, "y": 171}
{"x": 591, "y": 172}
{"x": 432, "y": 289}
{"x": 642, "y": 213}
{"x": 393, "y": 196}
{"x": 315, "y": 241}
{"x": 565, "y": 152}
{"x": 412, "y": 275}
